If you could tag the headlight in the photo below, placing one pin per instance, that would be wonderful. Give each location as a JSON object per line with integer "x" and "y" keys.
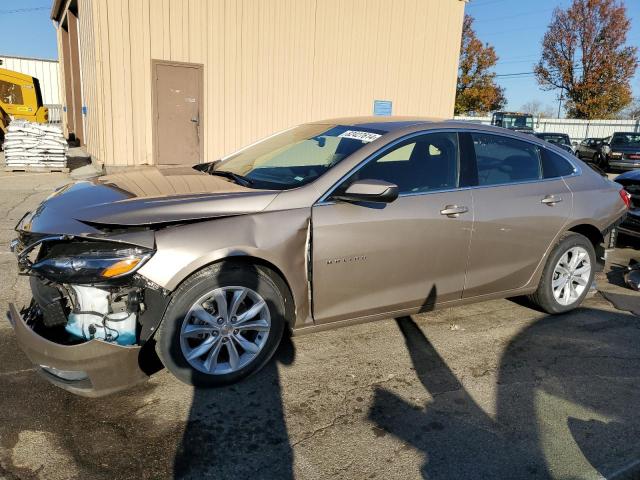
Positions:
{"x": 92, "y": 263}
{"x": 616, "y": 155}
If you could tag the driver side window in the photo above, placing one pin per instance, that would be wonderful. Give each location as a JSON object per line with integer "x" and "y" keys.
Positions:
{"x": 425, "y": 163}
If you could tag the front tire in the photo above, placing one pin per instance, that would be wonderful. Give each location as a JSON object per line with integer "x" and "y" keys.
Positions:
{"x": 567, "y": 276}
{"x": 223, "y": 324}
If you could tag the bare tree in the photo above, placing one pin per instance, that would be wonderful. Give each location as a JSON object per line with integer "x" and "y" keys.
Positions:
{"x": 537, "y": 109}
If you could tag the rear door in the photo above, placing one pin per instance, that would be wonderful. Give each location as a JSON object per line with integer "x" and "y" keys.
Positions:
{"x": 518, "y": 212}
{"x": 380, "y": 258}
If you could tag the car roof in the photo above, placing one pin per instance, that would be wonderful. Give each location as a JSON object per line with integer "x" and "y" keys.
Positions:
{"x": 382, "y": 123}
{"x": 396, "y": 124}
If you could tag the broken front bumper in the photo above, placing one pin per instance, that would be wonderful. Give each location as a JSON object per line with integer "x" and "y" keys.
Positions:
{"x": 93, "y": 369}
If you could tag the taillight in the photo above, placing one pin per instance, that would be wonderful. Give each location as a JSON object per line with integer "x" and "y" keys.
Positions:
{"x": 626, "y": 197}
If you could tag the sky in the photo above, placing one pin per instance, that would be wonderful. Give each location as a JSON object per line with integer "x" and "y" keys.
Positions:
{"x": 515, "y": 28}
{"x": 27, "y": 32}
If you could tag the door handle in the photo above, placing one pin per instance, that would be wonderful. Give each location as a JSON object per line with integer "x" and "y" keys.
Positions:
{"x": 453, "y": 211}
{"x": 195, "y": 119}
{"x": 551, "y": 200}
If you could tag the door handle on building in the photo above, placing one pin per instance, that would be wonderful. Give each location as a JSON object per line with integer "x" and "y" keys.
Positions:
{"x": 453, "y": 211}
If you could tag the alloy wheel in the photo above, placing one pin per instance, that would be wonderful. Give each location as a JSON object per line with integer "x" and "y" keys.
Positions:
{"x": 571, "y": 276}
{"x": 225, "y": 330}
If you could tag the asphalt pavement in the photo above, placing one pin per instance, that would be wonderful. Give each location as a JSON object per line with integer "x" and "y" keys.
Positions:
{"x": 492, "y": 390}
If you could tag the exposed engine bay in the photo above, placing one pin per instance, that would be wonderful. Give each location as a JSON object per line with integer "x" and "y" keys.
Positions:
{"x": 87, "y": 312}
{"x": 85, "y": 289}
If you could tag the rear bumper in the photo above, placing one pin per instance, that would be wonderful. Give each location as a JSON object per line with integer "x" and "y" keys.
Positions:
{"x": 630, "y": 225}
{"x": 108, "y": 367}
{"x": 624, "y": 164}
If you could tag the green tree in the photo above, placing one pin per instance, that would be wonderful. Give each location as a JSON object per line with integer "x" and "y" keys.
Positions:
{"x": 584, "y": 54}
{"x": 476, "y": 90}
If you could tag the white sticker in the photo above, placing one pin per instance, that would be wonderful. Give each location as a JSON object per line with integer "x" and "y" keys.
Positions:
{"x": 364, "y": 137}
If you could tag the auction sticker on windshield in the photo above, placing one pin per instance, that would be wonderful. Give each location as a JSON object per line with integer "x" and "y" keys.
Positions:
{"x": 364, "y": 137}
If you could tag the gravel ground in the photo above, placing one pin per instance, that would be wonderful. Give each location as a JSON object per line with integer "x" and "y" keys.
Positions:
{"x": 492, "y": 390}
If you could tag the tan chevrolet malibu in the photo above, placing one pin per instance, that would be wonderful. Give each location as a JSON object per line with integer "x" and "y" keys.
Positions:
{"x": 323, "y": 225}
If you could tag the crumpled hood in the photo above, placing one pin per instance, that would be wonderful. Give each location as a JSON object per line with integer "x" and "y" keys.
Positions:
{"x": 146, "y": 197}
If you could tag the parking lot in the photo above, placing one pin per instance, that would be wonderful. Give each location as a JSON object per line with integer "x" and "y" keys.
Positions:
{"x": 492, "y": 390}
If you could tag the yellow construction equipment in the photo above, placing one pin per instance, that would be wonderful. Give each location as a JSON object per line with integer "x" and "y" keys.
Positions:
{"x": 20, "y": 96}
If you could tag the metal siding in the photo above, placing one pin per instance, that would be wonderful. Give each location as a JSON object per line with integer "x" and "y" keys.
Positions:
{"x": 268, "y": 64}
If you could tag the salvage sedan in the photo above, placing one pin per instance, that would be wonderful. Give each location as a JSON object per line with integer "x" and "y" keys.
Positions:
{"x": 326, "y": 224}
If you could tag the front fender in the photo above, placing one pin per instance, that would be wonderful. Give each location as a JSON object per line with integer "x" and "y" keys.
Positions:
{"x": 278, "y": 238}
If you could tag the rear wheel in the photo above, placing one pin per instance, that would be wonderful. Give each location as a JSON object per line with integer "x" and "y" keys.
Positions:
{"x": 600, "y": 161}
{"x": 567, "y": 276}
{"x": 223, "y": 324}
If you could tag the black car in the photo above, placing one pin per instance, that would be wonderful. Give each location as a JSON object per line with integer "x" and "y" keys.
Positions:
{"x": 561, "y": 140}
{"x": 621, "y": 151}
{"x": 630, "y": 181}
{"x": 589, "y": 149}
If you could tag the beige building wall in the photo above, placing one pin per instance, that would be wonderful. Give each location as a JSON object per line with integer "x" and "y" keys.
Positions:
{"x": 268, "y": 64}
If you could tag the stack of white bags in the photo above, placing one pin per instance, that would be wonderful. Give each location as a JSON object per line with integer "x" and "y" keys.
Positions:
{"x": 34, "y": 145}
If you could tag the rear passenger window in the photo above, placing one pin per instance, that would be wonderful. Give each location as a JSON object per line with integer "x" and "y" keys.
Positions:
{"x": 502, "y": 160}
{"x": 553, "y": 165}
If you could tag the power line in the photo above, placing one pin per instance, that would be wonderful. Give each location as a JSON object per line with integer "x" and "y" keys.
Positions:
{"x": 521, "y": 74}
{"x": 23, "y": 10}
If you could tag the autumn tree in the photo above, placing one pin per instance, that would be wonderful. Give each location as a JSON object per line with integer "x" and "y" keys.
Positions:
{"x": 476, "y": 90}
{"x": 584, "y": 54}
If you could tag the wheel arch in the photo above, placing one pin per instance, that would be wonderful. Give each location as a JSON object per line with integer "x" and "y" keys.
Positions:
{"x": 246, "y": 258}
{"x": 594, "y": 235}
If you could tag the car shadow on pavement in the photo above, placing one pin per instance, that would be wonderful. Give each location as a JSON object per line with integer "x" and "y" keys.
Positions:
{"x": 566, "y": 390}
{"x": 239, "y": 431}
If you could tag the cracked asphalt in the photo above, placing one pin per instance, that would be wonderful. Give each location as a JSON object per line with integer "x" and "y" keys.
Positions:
{"x": 492, "y": 390}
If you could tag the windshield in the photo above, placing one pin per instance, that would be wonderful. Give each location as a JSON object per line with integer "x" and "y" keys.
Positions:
{"x": 626, "y": 140}
{"x": 298, "y": 156}
{"x": 556, "y": 139}
{"x": 517, "y": 121}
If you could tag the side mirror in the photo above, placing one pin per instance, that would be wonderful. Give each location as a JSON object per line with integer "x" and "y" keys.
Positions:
{"x": 377, "y": 191}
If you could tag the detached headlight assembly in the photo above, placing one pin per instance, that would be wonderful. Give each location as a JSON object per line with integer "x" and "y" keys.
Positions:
{"x": 91, "y": 262}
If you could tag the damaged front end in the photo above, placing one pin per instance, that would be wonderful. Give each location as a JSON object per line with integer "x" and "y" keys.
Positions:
{"x": 88, "y": 325}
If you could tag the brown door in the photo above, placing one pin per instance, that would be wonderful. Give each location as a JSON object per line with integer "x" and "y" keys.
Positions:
{"x": 178, "y": 113}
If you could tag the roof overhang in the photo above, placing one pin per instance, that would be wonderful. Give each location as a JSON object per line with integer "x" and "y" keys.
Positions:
{"x": 57, "y": 10}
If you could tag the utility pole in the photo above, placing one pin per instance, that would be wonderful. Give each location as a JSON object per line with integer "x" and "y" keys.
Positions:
{"x": 560, "y": 102}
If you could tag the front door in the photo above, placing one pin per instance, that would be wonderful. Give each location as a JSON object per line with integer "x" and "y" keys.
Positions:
{"x": 178, "y": 113}
{"x": 379, "y": 258}
{"x": 518, "y": 213}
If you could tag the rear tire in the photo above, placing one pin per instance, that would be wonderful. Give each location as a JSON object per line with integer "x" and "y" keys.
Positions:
{"x": 600, "y": 161}
{"x": 567, "y": 275}
{"x": 223, "y": 324}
